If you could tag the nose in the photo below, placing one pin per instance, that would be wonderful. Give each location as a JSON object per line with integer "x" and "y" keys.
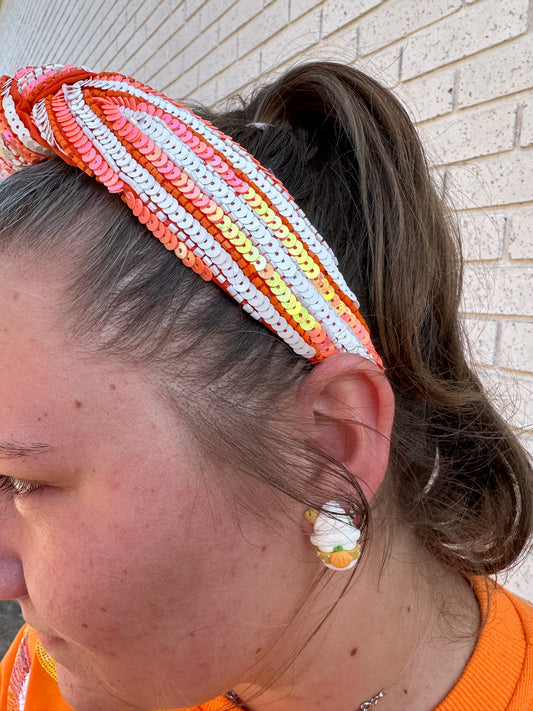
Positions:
{"x": 12, "y": 583}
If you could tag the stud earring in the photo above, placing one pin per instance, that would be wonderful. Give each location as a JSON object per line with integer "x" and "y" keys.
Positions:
{"x": 334, "y": 536}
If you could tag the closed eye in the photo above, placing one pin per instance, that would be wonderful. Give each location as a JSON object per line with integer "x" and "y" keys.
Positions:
{"x": 18, "y": 487}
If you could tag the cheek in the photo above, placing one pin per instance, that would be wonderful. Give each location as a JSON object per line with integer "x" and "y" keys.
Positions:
{"x": 103, "y": 580}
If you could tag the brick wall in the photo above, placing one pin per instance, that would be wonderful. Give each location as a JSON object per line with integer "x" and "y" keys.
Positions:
{"x": 462, "y": 67}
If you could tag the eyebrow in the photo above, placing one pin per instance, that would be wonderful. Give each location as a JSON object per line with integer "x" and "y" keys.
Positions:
{"x": 16, "y": 450}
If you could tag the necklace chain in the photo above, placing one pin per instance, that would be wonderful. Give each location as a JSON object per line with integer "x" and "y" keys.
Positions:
{"x": 365, "y": 706}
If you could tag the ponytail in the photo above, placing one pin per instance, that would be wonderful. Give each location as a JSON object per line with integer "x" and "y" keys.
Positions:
{"x": 348, "y": 153}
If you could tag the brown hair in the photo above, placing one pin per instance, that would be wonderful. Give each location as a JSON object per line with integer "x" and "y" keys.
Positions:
{"x": 346, "y": 150}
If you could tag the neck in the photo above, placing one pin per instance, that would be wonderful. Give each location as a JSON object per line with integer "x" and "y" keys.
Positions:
{"x": 408, "y": 627}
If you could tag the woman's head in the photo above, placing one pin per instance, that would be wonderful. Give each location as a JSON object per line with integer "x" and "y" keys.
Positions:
{"x": 250, "y": 431}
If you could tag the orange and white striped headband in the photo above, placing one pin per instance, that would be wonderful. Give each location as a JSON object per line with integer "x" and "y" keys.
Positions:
{"x": 200, "y": 193}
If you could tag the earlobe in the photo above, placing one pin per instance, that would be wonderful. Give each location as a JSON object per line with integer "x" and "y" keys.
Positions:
{"x": 352, "y": 408}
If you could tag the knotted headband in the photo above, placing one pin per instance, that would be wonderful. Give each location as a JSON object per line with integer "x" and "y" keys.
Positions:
{"x": 200, "y": 193}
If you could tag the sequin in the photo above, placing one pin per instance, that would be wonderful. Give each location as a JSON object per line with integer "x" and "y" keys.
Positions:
{"x": 181, "y": 176}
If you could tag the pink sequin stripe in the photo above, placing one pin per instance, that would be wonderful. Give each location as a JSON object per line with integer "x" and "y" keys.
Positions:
{"x": 181, "y": 176}
{"x": 83, "y": 139}
{"x": 343, "y": 306}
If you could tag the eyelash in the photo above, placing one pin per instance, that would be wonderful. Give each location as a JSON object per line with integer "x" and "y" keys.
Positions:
{"x": 17, "y": 487}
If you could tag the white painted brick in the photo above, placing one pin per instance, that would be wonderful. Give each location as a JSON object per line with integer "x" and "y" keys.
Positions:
{"x": 192, "y": 7}
{"x": 161, "y": 70}
{"x": 470, "y": 134}
{"x": 496, "y": 180}
{"x": 478, "y": 289}
{"x": 218, "y": 59}
{"x": 471, "y": 30}
{"x": 292, "y": 41}
{"x": 69, "y": 20}
{"x": 206, "y": 94}
{"x": 512, "y": 396}
{"x": 384, "y": 66}
{"x": 497, "y": 290}
{"x": 521, "y": 236}
{"x": 481, "y": 338}
{"x": 526, "y": 130}
{"x": 502, "y": 70}
{"x": 238, "y": 15}
{"x": 238, "y": 75}
{"x": 264, "y": 26}
{"x": 104, "y": 48}
{"x": 297, "y": 8}
{"x": 482, "y": 235}
{"x": 428, "y": 96}
{"x": 337, "y": 13}
{"x": 515, "y": 349}
{"x": 184, "y": 85}
{"x": 165, "y": 15}
{"x": 520, "y": 579}
{"x": 393, "y": 21}
{"x": 212, "y": 11}
{"x": 142, "y": 18}
{"x": 202, "y": 45}
{"x": 527, "y": 444}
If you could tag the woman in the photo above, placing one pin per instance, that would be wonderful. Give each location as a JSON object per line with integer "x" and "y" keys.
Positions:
{"x": 179, "y": 463}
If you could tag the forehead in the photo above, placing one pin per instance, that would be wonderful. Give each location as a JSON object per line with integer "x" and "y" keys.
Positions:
{"x": 50, "y": 387}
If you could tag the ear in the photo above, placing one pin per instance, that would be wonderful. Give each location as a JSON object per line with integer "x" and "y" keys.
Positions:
{"x": 351, "y": 405}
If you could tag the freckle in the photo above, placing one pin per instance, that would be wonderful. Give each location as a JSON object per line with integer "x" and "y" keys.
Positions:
{"x": 191, "y": 635}
{"x": 112, "y": 386}
{"x": 409, "y": 608}
{"x": 103, "y": 609}
{"x": 77, "y": 404}
{"x": 353, "y": 652}
{"x": 84, "y": 624}
{"x": 263, "y": 549}
{"x": 405, "y": 691}
{"x": 258, "y": 650}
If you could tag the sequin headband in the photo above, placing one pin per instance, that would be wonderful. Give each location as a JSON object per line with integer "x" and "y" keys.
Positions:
{"x": 200, "y": 193}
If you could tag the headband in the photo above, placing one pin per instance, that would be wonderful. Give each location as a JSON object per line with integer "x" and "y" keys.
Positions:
{"x": 200, "y": 193}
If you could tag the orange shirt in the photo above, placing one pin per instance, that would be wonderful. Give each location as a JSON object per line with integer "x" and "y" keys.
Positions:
{"x": 498, "y": 677}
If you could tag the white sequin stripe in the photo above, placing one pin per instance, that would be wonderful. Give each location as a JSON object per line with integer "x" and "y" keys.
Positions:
{"x": 243, "y": 160}
{"x": 342, "y": 336}
{"x": 279, "y": 196}
{"x": 156, "y": 198}
{"x": 40, "y": 116}
{"x": 237, "y": 155}
{"x": 252, "y": 226}
{"x": 20, "y": 130}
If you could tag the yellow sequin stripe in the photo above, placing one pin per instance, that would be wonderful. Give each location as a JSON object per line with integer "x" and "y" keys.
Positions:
{"x": 281, "y": 291}
{"x": 297, "y": 249}
{"x": 46, "y": 661}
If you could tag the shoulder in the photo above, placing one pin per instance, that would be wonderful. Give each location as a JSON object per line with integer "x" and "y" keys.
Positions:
{"x": 499, "y": 674}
